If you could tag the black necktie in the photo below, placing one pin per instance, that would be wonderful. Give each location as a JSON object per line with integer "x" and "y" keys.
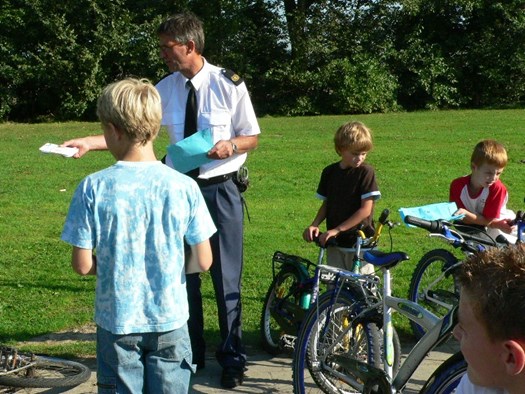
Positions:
{"x": 190, "y": 121}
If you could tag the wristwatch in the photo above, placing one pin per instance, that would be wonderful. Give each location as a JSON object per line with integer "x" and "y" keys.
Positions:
{"x": 234, "y": 147}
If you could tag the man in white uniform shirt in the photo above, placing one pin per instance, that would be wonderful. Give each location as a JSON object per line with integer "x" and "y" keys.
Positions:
{"x": 223, "y": 106}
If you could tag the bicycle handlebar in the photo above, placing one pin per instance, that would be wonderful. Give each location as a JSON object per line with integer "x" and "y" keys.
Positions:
{"x": 384, "y": 216}
{"x": 439, "y": 227}
{"x": 383, "y": 220}
{"x": 433, "y": 226}
{"x": 330, "y": 242}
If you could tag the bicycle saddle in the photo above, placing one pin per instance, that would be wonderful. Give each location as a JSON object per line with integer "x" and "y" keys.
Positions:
{"x": 384, "y": 260}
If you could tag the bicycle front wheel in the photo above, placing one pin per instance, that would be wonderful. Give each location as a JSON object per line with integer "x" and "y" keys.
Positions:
{"x": 47, "y": 372}
{"x": 320, "y": 339}
{"x": 446, "y": 378}
{"x": 433, "y": 285}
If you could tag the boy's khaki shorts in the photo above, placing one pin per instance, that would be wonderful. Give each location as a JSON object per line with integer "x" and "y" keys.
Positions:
{"x": 339, "y": 258}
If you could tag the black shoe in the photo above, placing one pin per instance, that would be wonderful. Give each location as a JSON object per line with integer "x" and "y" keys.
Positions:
{"x": 232, "y": 377}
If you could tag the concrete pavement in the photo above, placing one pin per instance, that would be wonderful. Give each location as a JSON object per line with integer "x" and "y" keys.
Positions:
{"x": 266, "y": 374}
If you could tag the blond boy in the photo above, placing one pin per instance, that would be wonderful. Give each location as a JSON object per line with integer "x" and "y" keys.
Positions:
{"x": 348, "y": 190}
{"x": 136, "y": 215}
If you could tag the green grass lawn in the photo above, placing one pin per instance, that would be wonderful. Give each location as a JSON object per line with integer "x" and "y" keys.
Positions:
{"x": 416, "y": 155}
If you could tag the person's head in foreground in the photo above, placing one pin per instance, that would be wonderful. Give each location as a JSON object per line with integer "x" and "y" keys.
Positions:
{"x": 491, "y": 327}
{"x": 130, "y": 112}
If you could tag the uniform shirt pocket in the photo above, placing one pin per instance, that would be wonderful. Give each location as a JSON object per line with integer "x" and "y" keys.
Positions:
{"x": 174, "y": 122}
{"x": 219, "y": 121}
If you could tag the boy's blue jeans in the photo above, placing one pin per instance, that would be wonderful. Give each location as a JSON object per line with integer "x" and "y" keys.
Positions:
{"x": 144, "y": 363}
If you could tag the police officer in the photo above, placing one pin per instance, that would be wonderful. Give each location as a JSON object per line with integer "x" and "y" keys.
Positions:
{"x": 223, "y": 106}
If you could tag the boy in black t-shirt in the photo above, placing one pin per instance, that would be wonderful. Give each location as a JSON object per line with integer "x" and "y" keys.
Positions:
{"x": 348, "y": 190}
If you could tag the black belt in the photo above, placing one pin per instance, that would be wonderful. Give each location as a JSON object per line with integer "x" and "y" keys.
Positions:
{"x": 214, "y": 180}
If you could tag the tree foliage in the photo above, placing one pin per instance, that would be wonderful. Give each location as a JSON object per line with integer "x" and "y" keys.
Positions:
{"x": 64, "y": 52}
{"x": 297, "y": 56}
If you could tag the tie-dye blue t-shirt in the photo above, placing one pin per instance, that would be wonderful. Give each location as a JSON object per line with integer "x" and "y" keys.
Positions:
{"x": 136, "y": 215}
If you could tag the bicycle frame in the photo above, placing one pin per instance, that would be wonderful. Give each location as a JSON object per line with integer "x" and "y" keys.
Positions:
{"x": 287, "y": 302}
{"x": 371, "y": 306}
{"x": 363, "y": 244}
{"x": 438, "y": 330}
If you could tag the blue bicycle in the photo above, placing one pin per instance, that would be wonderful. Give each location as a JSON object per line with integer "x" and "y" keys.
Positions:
{"x": 346, "y": 343}
{"x": 288, "y": 297}
{"x": 433, "y": 284}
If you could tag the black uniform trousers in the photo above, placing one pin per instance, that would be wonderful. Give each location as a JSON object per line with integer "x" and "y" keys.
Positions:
{"x": 224, "y": 203}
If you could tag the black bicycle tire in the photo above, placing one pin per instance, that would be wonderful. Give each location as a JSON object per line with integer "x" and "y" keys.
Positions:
{"x": 302, "y": 351}
{"x": 270, "y": 344}
{"x": 430, "y": 258}
{"x": 77, "y": 374}
{"x": 445, "y": 379}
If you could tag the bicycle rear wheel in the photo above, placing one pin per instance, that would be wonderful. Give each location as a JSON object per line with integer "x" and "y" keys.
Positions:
{"x": 314, "y": 368}
{"x": 433, "y": 283}
{"x": 46, "y": 372}
{"x": 281, "y": 311}
{"x": 446, "y": 378}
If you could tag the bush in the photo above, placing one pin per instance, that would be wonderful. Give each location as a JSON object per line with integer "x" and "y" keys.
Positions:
{"x": 343, "y": 86}
{"x": 358, "y": 85}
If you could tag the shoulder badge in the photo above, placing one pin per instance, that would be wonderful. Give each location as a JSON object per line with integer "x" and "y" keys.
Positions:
{"x": 232, "y": 76}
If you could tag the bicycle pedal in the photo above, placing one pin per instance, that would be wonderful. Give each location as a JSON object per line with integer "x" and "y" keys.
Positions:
{"x": 287, "y": 341}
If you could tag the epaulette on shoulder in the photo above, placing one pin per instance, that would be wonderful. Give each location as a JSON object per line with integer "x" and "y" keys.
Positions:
{"x": 232, "y": 76}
